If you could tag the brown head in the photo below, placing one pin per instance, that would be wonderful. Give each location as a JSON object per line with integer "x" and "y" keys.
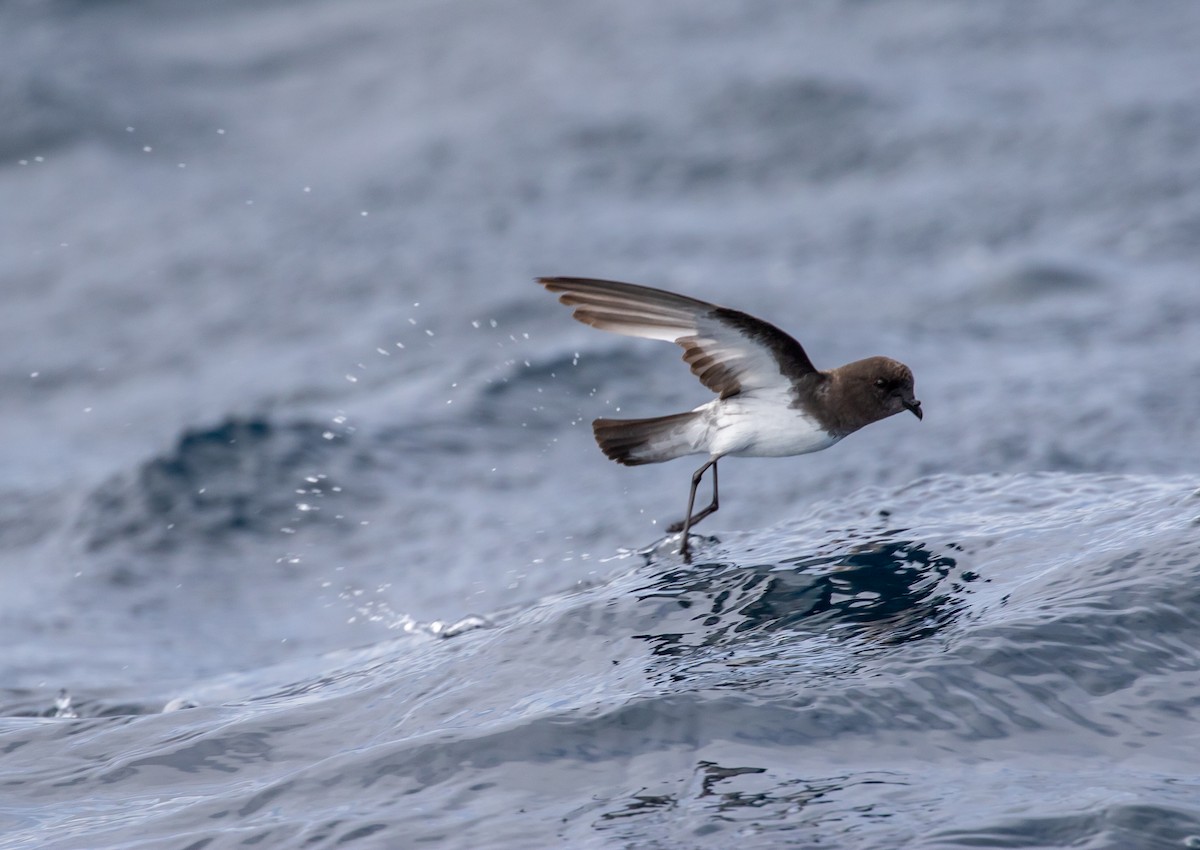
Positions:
{"x": 866, "y": 391}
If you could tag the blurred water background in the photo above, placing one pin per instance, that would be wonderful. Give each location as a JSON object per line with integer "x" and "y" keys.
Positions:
{"x": 304, "y": 540}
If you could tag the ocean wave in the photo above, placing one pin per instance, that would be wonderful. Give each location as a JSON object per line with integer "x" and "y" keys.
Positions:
{"x": 832, "y": 680}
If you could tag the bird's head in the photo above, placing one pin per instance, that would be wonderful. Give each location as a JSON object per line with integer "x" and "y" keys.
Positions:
{"x": 875, "y": 389}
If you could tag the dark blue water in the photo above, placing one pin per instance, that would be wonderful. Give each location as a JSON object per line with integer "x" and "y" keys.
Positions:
{"x": 304, "y": 540}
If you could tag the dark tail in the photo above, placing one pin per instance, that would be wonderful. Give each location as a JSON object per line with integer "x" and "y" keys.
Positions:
{"x": 637, "y": 441}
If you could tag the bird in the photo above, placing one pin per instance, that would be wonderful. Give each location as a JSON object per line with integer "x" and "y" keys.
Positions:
{"x": 771, "y": 400}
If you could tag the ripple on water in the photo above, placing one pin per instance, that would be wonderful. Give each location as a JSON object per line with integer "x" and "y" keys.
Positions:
{"x": 961, "y": 662}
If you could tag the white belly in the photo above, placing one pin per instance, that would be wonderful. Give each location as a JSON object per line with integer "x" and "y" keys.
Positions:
{"x": 750, "y": 427}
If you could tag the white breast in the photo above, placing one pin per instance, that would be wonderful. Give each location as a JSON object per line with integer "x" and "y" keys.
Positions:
{"x": 759, "y": 427}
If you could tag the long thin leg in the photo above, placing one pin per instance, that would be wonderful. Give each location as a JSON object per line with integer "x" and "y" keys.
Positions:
{"x": 696, "y": 476}
{"x": 714, "y": 505}
{"x": 690, "y": 520}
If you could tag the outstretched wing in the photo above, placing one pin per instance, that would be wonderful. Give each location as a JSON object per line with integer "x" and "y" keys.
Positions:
{"x": 729, "y": 351}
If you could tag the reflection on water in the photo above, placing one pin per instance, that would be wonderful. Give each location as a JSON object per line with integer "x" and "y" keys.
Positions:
{"x": 758, "y": 795}
{"x": 898, "y": 590}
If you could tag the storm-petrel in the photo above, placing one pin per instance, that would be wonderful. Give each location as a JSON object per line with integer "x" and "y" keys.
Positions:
{"x": 771, "y": 400}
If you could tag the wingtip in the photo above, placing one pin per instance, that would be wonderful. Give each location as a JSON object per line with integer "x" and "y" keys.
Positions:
{"x": 552, "y": 284}
{"x": 559, "y": 283}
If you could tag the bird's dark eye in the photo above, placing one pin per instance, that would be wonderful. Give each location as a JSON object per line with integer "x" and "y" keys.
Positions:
{"x": 881, "y": 382}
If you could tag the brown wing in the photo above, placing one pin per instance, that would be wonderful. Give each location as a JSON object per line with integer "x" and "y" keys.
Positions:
{"x": 729, "y": 351}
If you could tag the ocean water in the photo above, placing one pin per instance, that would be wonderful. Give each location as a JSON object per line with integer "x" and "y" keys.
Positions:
{"x": 304, "y": 540}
